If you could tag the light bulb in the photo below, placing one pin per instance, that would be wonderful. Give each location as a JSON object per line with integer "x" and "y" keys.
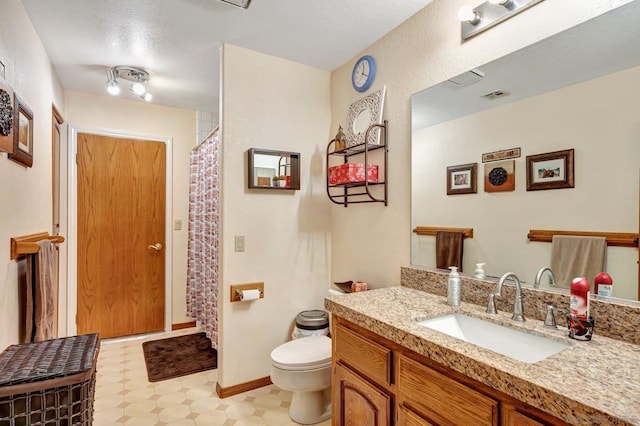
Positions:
{"x": 466, "y": 14}
{"x": 138, "y": 88}
{"x": 113, "y": 87}
{"x": 148, "y": 97}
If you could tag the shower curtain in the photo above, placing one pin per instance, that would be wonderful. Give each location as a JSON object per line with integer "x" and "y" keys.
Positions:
{"x": 202, "y": 265}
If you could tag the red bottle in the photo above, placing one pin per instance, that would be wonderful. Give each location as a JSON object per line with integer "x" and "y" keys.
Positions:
{"x": 603, "y": 284}
{"x": 579, "y": 303}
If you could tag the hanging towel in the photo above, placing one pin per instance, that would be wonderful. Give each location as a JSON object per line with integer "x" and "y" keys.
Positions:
{"x": 449, "y": 249}
{"x": 45, "y": 292}
{"x": 577, "y": 257}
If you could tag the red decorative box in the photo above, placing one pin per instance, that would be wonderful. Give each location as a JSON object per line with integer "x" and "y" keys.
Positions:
{"x": 352, "y": 173}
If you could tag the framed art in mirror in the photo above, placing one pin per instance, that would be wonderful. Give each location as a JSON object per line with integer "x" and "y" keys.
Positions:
{"x": 22, "y": 133}
{"x": 6, "y": 118}
{"x": 273, "y": 169}
{"x": 462, "y": 179}
{"x": 552, "y": 170}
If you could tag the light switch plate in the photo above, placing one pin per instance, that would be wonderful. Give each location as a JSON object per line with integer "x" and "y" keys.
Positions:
{"x": 177, "y": 225}
{"x": 239, "y": 246}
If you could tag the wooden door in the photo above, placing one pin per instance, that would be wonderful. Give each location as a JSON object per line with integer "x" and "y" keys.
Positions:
{"x": 121, "y": 215}
{"x": 358, "y": 402}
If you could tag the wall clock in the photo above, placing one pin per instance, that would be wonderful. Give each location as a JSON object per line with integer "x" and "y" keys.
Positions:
{"x": 364, "y": 72}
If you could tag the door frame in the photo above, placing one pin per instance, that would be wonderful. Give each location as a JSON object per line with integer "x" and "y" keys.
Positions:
{"x": 72, "y": 205}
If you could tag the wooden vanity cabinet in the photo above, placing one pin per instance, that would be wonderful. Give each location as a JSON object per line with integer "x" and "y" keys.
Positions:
{"x": 376, "y": 382}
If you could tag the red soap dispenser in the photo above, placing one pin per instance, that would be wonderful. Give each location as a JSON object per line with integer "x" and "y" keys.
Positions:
{"x": 603, "y": 284}
{"x": 579, "y": 303}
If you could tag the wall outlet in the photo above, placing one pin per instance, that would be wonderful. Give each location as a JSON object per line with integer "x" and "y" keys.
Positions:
{"x": 239, "y": 246}
{"x": 177, "y": 225}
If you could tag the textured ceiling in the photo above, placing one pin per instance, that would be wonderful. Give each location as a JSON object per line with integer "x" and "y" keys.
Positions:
{"x": 177, "y": 41}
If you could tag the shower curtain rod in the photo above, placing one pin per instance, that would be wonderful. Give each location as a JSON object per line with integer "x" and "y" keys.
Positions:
{"x": 207, "y": 138}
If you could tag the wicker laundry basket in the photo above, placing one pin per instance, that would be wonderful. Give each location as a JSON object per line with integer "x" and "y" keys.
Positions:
{"x": 50, "y": 382}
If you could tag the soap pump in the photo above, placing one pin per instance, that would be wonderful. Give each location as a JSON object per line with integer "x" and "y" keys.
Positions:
{"x": 479, "y": 272}
{"x": 453, "y": 290}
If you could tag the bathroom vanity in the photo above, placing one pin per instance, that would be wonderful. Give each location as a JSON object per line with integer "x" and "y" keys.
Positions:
{"x": 390, "y": 370}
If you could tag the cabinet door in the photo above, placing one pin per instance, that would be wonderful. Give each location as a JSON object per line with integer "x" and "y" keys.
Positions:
{"x": 511, "y": 417}
{"x": 357, "y": 402}
{"x": 408, "y": 417}
{"x": 441, "y": 399}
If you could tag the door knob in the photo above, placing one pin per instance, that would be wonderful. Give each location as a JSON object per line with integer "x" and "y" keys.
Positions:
{"x": 156, "y": 246}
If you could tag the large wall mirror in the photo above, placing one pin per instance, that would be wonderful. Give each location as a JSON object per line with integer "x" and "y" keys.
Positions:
{"x": 579, "y": 89}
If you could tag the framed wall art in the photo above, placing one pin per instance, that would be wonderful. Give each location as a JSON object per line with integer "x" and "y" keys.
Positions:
{"x": 462, "y": 179}
{"x": 500, "y": 176}
{"x": 552, "y": 170}
{"x": 22, "y": 133}
{"x": 362, "y": 114}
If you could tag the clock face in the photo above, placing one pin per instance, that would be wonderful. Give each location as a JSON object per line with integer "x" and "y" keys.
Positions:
{"x": 363, "y": 73}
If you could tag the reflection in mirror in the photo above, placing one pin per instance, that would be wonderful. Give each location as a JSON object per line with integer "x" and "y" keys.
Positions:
{"x": 269, "y": 169}
{"x": 575, "y": 90}
{"x": 362, "y": 121}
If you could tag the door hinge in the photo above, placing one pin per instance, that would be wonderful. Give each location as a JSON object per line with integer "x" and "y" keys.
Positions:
{"x": 76, "y": 158}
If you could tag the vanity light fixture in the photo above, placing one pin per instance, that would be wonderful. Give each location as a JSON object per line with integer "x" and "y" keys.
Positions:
{"x": 238, "y": 3}
{"x": 489, "y": 14}
{"x": 137, "y": 77}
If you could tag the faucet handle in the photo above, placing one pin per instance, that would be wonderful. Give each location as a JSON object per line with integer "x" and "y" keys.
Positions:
{"x": 491, "y": 307}
{"x": 550, "y": 319}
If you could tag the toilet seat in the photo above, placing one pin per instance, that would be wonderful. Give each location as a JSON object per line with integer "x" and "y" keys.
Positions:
{"x": 307, "y": 353}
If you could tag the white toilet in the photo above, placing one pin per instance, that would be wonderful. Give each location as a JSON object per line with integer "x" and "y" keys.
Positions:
{"x": 303, "y": 366}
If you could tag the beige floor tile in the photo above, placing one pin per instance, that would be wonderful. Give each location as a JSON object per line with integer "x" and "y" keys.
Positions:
{"x": 124, "y": 396}
{"x": 174, "y": 413}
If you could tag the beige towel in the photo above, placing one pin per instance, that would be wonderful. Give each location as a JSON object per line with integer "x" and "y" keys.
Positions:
{"x": 45, "y": 292}
{"x": 577, "y": 257}
{"x": 449, "y": 249}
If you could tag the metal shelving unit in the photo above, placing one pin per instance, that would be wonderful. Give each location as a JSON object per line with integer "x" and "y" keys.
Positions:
{"x": 360, "y": 192}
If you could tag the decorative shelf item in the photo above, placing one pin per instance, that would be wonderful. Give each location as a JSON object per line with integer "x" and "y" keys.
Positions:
{"x": 347, "y": 182}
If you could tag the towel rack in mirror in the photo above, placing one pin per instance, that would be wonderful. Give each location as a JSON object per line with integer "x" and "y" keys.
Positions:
{"x": 431, "y": 230}
{"x": 614, "y": 239}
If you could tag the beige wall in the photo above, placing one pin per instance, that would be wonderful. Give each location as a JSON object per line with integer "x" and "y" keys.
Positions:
{"x": 598, "y": 118}
{"x": 421, "y": 52}
{"x": 138, "y": 118}
{"x": 275, "y": 104}
{"x": 25, "y": 193}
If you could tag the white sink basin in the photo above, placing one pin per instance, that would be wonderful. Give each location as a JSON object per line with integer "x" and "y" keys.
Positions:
{"x": 525, "y": 347}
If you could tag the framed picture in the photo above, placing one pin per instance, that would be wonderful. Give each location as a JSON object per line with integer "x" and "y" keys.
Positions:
{"x": 500, "y": 176}
{"x": 505, "y": 154}
{"x": 462, "y": 179}
{"x": 553, "y": 170}
{"x": 22, "y": 133}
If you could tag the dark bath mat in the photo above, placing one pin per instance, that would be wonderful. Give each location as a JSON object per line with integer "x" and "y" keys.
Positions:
{"x": 179, "y": 356}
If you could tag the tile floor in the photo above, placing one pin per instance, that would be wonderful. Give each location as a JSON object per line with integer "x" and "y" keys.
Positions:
{"x": 125, "y": 396}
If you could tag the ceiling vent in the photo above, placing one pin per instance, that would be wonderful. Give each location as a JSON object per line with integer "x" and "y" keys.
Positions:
{"x": 466, "y": 78}
{"x": 239, "y": 3}
{"x": 495, "y": 95}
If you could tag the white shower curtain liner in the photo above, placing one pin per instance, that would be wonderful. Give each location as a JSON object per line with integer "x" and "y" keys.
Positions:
{"x": 202, "y": 265}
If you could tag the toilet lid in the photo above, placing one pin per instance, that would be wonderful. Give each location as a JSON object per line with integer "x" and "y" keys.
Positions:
{"x": 302, "y": 354}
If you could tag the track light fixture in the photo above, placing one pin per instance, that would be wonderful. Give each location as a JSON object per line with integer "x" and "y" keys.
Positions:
{"x": 137, "y": 77}
{"x": 489, "y": 14}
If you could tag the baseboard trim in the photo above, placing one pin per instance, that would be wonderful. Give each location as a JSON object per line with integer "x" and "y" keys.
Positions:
{"x": 183, "y": 325}
{"x": 242, "y": 387}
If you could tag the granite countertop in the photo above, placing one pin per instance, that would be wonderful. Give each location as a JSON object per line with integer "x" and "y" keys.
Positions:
{"x": 594, "y": 382}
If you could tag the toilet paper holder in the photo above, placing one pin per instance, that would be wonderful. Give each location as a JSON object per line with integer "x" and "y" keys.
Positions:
{"x": 236, "y": 290}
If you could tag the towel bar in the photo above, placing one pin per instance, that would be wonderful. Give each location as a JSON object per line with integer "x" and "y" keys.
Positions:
{"x": 28, "y": 244}
{"x": 614, "y": 239}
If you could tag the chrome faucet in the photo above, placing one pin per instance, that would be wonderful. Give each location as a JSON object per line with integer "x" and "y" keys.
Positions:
{"x": 517, "y": 306}
{"x": 552, "y": 279}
